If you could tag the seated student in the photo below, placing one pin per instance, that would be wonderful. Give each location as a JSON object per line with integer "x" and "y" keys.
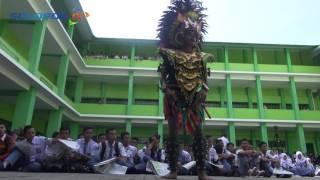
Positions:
{"x": 6, "y": 144}
{"x": 101, "y": 138}
{"x": 247, "y": 159}
{"x": 266, "y": 161}
{"x": 286, "y": 162}
{"x": 212, "y": 156}
{"x": 301, "y": 166}
{"x": 183, "y": 158}
{"x": 28, "y": 154}
{"x": 89, "y": 149}
{"x": 56, "y": 154}
{"x": 232, "y": 161}
{"x": 134, "y": 141}
{"x": 151, "y": 152}
{"x": 223, "y": 159}
{"x": 131, "y": 152}
{"x": 112, "y": 148}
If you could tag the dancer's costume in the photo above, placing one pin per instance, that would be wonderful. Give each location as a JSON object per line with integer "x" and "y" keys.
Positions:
{"x": 183, "y": 76}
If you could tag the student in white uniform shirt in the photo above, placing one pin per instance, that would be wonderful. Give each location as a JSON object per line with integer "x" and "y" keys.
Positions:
{"x": 131, "y": 151}
{"x": 88, "y": 147}
{"x": 111, "y": 148}
{"x": 212, "y": 156}
{"x": 56, "y": 154}
{"x": 29, "y": 153}
{"x": 152, "y": 151}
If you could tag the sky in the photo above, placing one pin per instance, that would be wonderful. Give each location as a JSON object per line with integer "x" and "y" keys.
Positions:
{"x": 242, "y": 21}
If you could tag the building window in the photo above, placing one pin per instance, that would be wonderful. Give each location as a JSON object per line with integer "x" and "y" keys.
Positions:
{"x": 213, "y": 104}
{"x": 240, "y": 105}
{"x": 304, "y": 106}
{"x": 117, "y": 101}
{"x": 289, "y": 106}
{"x": 91, "y": 100}
{"x": 271, "y": 106}
{"x": 146, "y": 101}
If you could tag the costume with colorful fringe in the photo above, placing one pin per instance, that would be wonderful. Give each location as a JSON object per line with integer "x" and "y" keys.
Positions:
{"x": 183, "y": 76}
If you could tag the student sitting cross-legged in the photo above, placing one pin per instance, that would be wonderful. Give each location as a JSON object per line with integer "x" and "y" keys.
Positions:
{"x": 111, "y": 148}
{"x": 27, "y": 154}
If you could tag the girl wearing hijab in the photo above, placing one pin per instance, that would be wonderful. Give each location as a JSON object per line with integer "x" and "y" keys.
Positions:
{"x": 286, "y": 162}
{"x": 301, "y": 166}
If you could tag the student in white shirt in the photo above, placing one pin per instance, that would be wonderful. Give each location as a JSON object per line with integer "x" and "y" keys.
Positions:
{"x": 151, "y": 152}
{"x": 111, "y": 148}
{"x": 130, "y": 150}
{"x": 247, "y": 159}
{"x": 28, "y": 153}
{"x": 88, "y": 147}
{"x": 56, "y": 154}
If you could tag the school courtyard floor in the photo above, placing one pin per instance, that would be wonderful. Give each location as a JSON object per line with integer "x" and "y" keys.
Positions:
{"x": 71, "y": 176}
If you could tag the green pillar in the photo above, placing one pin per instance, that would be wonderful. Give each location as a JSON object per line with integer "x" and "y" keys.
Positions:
{"x": 229, "y": 96}
{"x": 70, "y": 30}
{"x": 34, "y": 56}
{"x": 24, "y": 108}
{"x": 250, "y": 102}
{"x": 294, "y": 96}
{"x": 231, "y": 127}
{"x": 160, "y": 113}
{"x": 263, "y": 126}
{"x": 259, "y": 98}
{"x": 104, "y": 92}
{"x": 226, "y": 59}
{"x": 74, "y": 130}
{"x": 54, "y": 122}
{"x": 78, "y": 90}
{"x": 62, "y": 75}
{"x": 264, "y": 132}
{"x": 295, "y": 104}
{"x": 232, "y": 132}
{"x": 310, "y": 99}
{"x": 282, "y": 98}
{"x": 222, "y": 93}
{"x": 301, "y": 138}
{"x": 133, "y": 54}
{"x": 288, "y": 59}
{"x": 287, "y": 142}
{"x": 130, "y": 102}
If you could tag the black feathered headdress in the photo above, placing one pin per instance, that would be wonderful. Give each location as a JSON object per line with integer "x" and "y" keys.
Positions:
{"x": 182, "y": 16}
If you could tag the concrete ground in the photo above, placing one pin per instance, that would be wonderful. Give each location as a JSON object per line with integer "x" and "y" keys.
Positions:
{"x": 74, "y": 176}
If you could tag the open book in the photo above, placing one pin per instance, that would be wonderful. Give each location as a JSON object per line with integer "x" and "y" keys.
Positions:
{"x": 161, "y": 169}
{"x": 73, "y": 145}
{"x": 220, "y": 166}
{"x": 282, "y": 172}
{"x": 109, "y": 167}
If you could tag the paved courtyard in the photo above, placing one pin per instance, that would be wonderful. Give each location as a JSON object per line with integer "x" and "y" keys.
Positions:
{"x": 71, "y": 176}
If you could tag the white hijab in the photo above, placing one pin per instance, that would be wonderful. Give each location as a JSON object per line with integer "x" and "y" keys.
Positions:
{"x": 309, "y": 163}
{"x": 302, "y": 161}
{"x": 285, "y": 163}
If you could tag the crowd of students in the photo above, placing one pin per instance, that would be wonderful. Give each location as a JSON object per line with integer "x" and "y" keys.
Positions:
{"x": 31, "y": 153}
